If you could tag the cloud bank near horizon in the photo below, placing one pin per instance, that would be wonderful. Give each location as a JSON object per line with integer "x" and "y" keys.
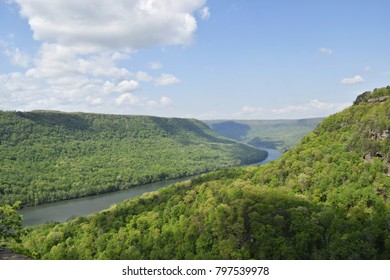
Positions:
{"x": 84, "y": 44}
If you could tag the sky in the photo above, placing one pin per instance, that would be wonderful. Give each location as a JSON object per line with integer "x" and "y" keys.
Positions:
{"x": 215, "y": 59}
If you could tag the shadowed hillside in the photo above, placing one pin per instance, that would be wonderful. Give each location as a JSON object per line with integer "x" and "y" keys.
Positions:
{"x": 274, "y": 134}
{"x": 47, "y": 156}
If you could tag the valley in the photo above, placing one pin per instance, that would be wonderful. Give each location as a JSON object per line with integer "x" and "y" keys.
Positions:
{"x": 65, "y": 210}
{"x": 275, "y": 134}
{"x": 48, "y": 156}
{"x": 325, "y": 198}
{"x": 194, "y": 139}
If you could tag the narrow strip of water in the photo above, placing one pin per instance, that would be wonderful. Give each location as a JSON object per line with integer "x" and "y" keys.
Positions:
{"x": 64, "y": 210}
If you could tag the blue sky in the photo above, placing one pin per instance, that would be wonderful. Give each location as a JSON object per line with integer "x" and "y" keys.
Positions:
{"x": 201, "y": 59}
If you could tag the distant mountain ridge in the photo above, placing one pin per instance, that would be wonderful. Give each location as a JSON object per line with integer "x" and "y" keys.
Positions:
{"x": 326, "y": 198}
{"x": 48, "y": 156}
{"x": 275, "y": 134}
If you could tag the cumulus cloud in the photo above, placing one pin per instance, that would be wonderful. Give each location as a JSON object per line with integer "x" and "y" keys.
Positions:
{"x": 354, "y": 80}
{"x": 163, "y": 102}
{"x": 90, "y": 26}
{"x": 143, "y": 76}
{"x": 18, "y": 57}
{"x": 103, "y": 65}
{"x": 311, "y": 108}
{"x": 53, "y": 61}
{"x": 83, "y": 44}
{"x": 126, "y": 86}
{"x": 204, "y": 13}
{"x": 312, "y": 105}
{"x": 94, "y": 101}
{"x": 162, "y": 80}
{"x": 127, "y": 99}
{"x": 326, "y": 51}
{"x": 167, "y": 79}
{"x": 15, "y": 84}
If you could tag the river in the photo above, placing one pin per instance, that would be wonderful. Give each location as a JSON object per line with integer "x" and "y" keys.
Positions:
{"x": 273, "y": 154}
{"x": 64, "y": 210}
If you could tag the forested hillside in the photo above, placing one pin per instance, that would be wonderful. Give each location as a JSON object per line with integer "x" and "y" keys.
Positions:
{"x": 327, "y": 198}
{"x": 47, "y": 156}
{"x": 274, "y": 134}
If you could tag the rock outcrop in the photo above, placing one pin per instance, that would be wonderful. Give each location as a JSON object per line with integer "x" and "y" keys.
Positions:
{"x": 9, "y": 255}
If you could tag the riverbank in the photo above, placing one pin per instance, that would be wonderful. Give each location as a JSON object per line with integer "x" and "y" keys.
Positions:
{"x": 273, "y": 154}
{"x": 64, "y": 210}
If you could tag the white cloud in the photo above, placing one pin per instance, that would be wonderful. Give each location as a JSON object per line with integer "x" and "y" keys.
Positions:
{"x": 127, "y": 99}
{"x": 91, "y": 26}
{"x": 354, "y": 80}
{"x": 204, "y": 13}
{"x": 326, "y": 51}
{"x": 108, "y": 87}
{"x": 251, "y": 110}
{"x": 155, "y": 65}
{"x": 14, "y": 83}
{"x": 163, "y": 102}
{"x": 313, "y": 108}
{"x": 167, "y": 79}
{"x": 152, "y": 104}
{"x": 313, "y": 105}
{"x": 102, "y": 65}
{"x": 82, "y": 45}
{"x": 143, "y": 76}
{"x": 126, "y": 86}
{"x": 53, "y": 61}
{"x": 245, "y": 112}
{"x": 18, "y": 92}
{"x": 162, "y": 80}
{"x": 17, "y": 57}
{"x": 94, "y": 101}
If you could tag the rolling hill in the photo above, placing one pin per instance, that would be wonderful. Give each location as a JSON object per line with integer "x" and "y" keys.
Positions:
{"x": 47, "y": 156}
{"x": 274, "y": 134}
{"x": 327, "y": 198}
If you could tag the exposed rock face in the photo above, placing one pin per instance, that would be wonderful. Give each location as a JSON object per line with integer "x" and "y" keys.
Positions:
{"x": 379, "y": 136}
{"x": 8, "y": 255}
{"x": 378, "y": 100}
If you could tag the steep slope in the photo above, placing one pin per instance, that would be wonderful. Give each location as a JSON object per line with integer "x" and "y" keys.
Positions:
{"x": 276, "y": 134}
{"x": 325, "y": 199}
{"x": 50, "y": 156}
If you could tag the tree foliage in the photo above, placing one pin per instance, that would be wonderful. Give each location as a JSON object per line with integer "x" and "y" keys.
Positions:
{"x": 274, "y": 134}
{"x": 10, "y": 222}
{"x": 325, "y": 199}
{"x": 51, "y": 156}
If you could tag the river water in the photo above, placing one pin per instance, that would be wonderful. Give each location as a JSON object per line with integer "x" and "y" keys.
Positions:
{"x": 273, "y": 154}
{"x": 64, "y": 210}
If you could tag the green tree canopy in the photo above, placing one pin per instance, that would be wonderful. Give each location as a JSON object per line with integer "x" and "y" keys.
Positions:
{"x": 10, "y": 222}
